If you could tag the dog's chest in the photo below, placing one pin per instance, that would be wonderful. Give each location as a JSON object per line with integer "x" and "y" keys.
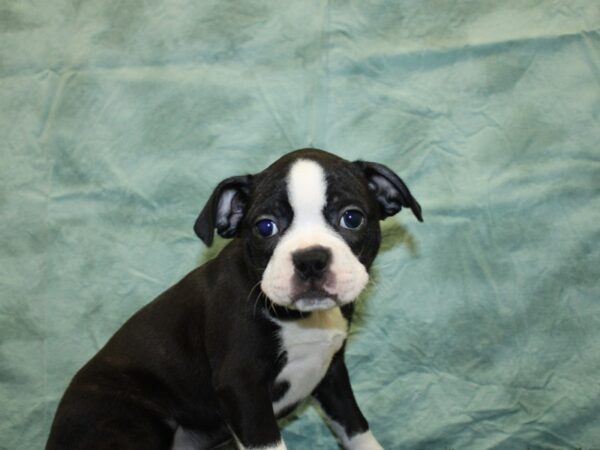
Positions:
{"x": 309, "y": 345}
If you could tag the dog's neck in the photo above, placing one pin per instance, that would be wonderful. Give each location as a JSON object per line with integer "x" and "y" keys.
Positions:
{"x": 281, "y": 312}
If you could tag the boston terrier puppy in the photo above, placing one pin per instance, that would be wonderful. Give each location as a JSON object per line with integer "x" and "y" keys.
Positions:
{"x": 243, "y": 339}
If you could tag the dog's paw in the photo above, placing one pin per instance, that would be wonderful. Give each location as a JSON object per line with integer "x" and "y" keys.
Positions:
{"x": 363, "y": 441}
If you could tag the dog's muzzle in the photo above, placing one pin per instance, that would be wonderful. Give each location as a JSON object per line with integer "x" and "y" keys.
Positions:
{"x": 313, "y": 268}
{"x": 312, "y": 277}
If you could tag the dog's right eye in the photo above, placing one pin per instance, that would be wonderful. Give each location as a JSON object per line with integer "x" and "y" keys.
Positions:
{"x": 266, "y": 228}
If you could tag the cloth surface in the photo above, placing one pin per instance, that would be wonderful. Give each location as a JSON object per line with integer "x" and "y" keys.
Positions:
{"x": 481, "y": 328}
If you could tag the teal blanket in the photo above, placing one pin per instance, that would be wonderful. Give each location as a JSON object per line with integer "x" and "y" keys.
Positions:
{"x": 481, "y": 328}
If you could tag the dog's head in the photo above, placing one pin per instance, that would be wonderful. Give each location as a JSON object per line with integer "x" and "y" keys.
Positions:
{"x": 309, "y": 223}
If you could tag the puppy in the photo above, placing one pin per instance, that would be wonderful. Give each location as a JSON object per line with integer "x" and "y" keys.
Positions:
{"x": 241, "y": 340}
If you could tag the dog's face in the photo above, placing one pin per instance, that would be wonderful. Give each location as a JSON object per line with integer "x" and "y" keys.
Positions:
{"x": 309, "y": 223}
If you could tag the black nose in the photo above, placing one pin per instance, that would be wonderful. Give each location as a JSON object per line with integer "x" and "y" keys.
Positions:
{"x": 311, "y": 263}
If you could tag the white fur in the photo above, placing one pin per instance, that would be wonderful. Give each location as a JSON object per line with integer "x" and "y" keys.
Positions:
{"x": 277, "y": 446}
{"x": 310, "y": 344}
{"x": 307, "y": 190}
{"x": 362, "y": 441}
{"x": 187, "y": 440}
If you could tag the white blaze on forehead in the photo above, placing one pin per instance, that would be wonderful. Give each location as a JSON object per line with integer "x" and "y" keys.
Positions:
{"x": 307, "y": 192}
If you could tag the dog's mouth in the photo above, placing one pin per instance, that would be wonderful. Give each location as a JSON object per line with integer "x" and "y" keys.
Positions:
{"x": 314, "y": 300}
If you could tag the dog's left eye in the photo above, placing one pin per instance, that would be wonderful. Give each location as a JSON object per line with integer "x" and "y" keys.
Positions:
{"x": 266, "y": 228}
{"x": 352, "y": 219}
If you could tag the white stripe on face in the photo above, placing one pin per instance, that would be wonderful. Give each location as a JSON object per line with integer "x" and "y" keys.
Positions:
{"x": 307, "y": 193}
{"x": 307, "y": 188}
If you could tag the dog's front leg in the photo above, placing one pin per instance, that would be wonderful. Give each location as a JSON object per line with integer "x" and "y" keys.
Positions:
{"x": 334, "y": 394}
{"x": 249, "y": 414}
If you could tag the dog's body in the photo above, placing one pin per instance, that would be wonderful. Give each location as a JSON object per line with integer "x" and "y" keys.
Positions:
{"x": 241, "y": 340}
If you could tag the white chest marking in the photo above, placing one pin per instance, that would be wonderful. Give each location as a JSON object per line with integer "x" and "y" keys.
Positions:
{"x": 310, "y": 345}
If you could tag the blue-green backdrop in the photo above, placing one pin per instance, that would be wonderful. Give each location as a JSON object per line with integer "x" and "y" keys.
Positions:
{"x": 481, "y": 329}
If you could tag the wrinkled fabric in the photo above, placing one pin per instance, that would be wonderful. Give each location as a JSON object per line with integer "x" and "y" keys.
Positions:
{"x": 480, "y": 328}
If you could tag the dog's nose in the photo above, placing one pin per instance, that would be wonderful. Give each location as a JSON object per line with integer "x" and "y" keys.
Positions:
{"x": 311, "y": 263}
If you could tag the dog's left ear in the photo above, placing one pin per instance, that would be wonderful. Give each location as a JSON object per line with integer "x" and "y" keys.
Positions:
{"x": 224, "y": 210}
{"x": 389, "y": 190}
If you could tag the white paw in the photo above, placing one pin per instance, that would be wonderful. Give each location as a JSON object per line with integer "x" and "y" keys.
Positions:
{"x": 363, "y": 441}
{"x": 278, "y": 446}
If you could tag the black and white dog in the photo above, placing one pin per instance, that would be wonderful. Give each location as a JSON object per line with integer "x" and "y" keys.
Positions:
{"x": 241, "y": 340}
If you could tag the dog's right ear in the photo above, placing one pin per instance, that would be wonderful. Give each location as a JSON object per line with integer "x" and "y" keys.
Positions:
{"x": 224, "y": 210}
